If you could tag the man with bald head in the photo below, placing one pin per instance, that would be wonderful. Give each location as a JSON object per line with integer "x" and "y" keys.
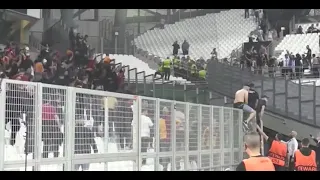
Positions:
{"x": 255, "y": 162}
{"x": 292, "y": 145}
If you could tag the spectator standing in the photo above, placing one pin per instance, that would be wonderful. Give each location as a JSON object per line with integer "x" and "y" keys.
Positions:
{"x": 317, "y": 150}
{"x": 309, "y": 53}
{"x": 255, "y": 162}
{"x": 166, "y": 64}
{"x": 176, "y": 48}
{"x": 246, "y": 13}
{"x": 292, "y": 148}
{"x": 253, "y": 96}
{"x": 51, "y": 135}
{"x": 261, "y": 106}
{"x": 185, "y": 47}
{"x": 257, "y": 15}
{"x": 146, "y": 125}
{"x": 278, "y": 151}
{"x": 214, "y": 54}
{"x": 300, "y": 30}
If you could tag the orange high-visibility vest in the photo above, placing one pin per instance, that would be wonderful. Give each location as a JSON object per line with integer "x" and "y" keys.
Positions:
{"x": 305, "y": 163}
{"x": 278, "y": 153}
{"x": 258, "y": 164}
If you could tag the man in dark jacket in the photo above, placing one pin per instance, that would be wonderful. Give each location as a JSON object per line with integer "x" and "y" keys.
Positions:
{"x": 253, "y": 96}
{"x": 185, "y": 47}
{"x": 83, "y": 141}
{"x": 176, "y": 48}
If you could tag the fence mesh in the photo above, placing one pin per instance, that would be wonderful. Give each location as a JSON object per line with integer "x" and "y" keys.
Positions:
{"x": 65, "y": 128}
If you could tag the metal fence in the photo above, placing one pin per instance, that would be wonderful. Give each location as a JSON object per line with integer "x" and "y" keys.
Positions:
{"x": 55, "y": 128}
{"x": 296, "y": 99}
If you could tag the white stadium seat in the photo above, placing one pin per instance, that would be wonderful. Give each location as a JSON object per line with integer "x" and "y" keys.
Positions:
{"x": 224, "y": 31}
{"x": 296, "y": 43}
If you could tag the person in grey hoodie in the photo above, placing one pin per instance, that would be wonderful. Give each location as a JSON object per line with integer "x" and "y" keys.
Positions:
{"x": 185, "y": 47}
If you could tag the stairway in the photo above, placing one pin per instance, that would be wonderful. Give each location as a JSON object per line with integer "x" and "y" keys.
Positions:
{"x": 57, "y": 36}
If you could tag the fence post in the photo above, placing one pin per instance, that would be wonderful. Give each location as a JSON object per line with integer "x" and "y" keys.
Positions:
{"x": 274, "y": 92}
{"x": 300, "y": 110}
{"x": 101, "y": 45}
{"x": 315, "y": 102}
{"x": 2, "y": 123}
{"x": 286, "y": 97}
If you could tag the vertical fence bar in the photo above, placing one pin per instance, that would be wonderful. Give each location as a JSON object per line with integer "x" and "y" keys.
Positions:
{"x": 173, "y": 136}
{"x": 2, "y": 123}
{"x": 153, "y": 88}
{"x": 157, "y": 134}
{"x": 241, "y": 132}
{"x": 199, "y": 107}
{"x": 197, "y": 95}
{"x": 137, "y": 108}
{"x": 231, "y": 129}
{"x": 185, "y": 92}
{"x": 106, "y": 130}
{"x": 187, "y": 134}
{"x": 221, "y": 124}
{"x": 314, "y": 103}
{"x": 70, "y": 127}
{"x": 274, "y": 92}
{"x": 300, "y": 108}
{"x": 38, "y": 125}
{"x": 286, "y": 97}
{"x": 211, "y": 135}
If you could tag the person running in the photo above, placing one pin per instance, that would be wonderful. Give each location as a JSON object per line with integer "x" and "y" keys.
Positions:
{"x": 241, "y": 102}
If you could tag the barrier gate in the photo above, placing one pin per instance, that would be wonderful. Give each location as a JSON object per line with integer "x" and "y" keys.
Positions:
{"x": 57, "y": 128}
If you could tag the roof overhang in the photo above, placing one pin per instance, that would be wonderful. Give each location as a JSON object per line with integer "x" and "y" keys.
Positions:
{"x": 12, "y": 15}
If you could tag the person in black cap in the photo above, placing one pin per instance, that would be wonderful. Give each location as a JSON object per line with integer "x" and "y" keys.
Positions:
{"x": 261, "y": 105}
{"x": 253, "y": 96}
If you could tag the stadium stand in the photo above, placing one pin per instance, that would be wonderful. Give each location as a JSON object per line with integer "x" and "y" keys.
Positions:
{"x": 225, "y": 31}
{"x": 296, "y": 44}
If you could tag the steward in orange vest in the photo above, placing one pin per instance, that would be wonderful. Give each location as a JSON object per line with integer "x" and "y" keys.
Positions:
{"x": 278, "y": 151}
{"x": 305, "y": 158}
{"x": 256, "y": 162}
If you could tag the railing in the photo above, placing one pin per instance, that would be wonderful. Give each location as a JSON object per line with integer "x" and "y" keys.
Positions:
{"x": 195, "y": 137}
{"x": 295, "y": 100}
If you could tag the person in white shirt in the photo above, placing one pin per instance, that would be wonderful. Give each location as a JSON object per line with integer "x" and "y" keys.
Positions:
{"x": 287, "y": 65}
{"x": 292, "y": 145}
{"x": 145, "y": 125}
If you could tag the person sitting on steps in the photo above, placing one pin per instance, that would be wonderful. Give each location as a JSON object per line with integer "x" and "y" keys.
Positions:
{"x": 241, "y": 102}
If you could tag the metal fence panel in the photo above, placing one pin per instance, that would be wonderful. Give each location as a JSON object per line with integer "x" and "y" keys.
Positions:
{"x": 72, "y": 129}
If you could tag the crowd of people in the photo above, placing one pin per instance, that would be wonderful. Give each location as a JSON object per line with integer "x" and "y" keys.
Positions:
{"x": 281, "y": 155}
{"x": 76, "y": 68}
{"x": 311, "y": 29}
{"x": 182, "y": 65}
{"x": 258, "y": 61}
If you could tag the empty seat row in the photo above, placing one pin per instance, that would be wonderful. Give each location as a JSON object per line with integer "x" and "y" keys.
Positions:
{"x": 224, "y": 31}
